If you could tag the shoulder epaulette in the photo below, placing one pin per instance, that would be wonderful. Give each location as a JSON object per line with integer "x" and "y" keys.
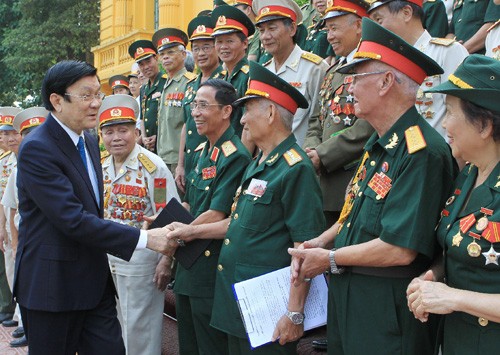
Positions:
{"x": 415, "y": 140}
{"x": 192, "y": 79}
{"x": 250, "y": 37}
{"x": 223, "y": 73}
{"x": 245, "y": 69}
{"x": 146, "y": 162}
{"x": 442, "y": 41}
{"x": 164, "y": 76}
{"x": 104, "y": 155}
{"x": 4, "y": 154}
{"x": 493, "y": 26}
{"x": 200, "y": 146}
{"x": 292, "y": 157}
{"x": 228, "y": 148}
{"x": 190, "y": 76}
{"x": 316, "y": 59}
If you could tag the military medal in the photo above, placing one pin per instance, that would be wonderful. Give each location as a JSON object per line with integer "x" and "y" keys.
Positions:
{"x": 381, "y": 184}
{"x": 482, "y": 223}
{"x": 336, "y": 119}
{"x": 209, "y": 173}
{"x": 127, "y": 178}
{"x": 457, "y": 238}
{"x": 385, "y": 167}
{"x": 491, "y": 256}
{"x": 492, "y": 232}
{"x": 347, "y": 121}
{"x": 473, "y": 248}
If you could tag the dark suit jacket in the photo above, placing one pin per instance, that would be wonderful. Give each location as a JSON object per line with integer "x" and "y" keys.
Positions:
{"x": 61, "y": 262}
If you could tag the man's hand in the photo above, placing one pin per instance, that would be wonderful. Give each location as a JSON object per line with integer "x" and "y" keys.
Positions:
{"x": 313, "y": 155}
{"x": 312, "y": 262}
{"x": 4, "y": 238}
{"x": 163, "y": 273}
{"x": 159, "y": 242}
{"x": 181, "y": 231}
{"x": 180, "y": 178}
{"x": 150, "y": 142}
{"x": 286, "y": 331}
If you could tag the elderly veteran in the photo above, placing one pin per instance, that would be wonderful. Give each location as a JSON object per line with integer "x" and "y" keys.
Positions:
{"x": 277, "y": 22}
{"x": 119, "y": 84}
{"x": 277, "y": 205}
{"x": 385, "y": 234}
{"x": 219, "y": 163}
{"x": 205, "y": 57}
{"x": 136, "y": 184}
{"x": 469, "y": 229}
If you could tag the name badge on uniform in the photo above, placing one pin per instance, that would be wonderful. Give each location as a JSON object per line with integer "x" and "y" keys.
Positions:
{"x": 257, "y": 187}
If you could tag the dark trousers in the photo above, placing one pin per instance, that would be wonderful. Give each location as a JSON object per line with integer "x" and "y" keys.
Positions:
{"x": 6, "y": 303}
{"x": 89, "y": 332}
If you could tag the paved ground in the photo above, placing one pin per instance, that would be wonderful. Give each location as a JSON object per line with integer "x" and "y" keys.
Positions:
{"x": 5, "y": 339}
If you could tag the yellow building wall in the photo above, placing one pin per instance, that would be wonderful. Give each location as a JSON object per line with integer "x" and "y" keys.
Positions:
{"x": 124, "y": 21}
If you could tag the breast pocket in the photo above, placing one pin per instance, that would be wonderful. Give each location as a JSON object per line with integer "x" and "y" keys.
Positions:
{"x": 372, "y": 211}
{"x": 258, "y": 212}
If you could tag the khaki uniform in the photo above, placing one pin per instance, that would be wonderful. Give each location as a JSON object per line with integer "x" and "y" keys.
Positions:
{"x": 492, "y": 43}
{"x": 448, "y": 54}
{"x": 142, "y": 187}
{"x": 171, "y": 118}
{"x": 339, "y": 138}
{"x": 304, "y": 71}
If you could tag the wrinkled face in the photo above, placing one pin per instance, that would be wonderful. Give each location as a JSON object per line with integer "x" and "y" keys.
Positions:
{"x": 172, "y": 59}
{"x": 319, "y": 5}
{"x": 343, "y": 33}
{"x": 463, "y": 136}
{"x": 119, "y": 139}
{"x": 149, "y": 67}
{"x": 134, "y": 86}
{"x": 255, "y": 119}
{"x": 78, "y": 108}
{"x": 386, "y": 19}
{"x": 208, "y": 114}
{"x": 120, "y": 90}
{"x": 204, "y": 54}
{"x": 276, "y": 37}
{"x": 11, "y": 140}
{"x": 230, "y": 48}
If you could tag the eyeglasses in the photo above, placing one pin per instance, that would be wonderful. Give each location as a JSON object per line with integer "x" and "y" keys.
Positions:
{"x": 88, "y": 98}
{"x": 204, "y": 49}
{"x": 202, "y": 106}
{"x": 353, "y": 77}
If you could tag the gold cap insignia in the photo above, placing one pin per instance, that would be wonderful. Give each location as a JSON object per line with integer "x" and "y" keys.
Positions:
{"x": 34, "y": 121}
{"x": 7, "y": 119}
{"x": 265, "y": 10}
{"x": 116, "y": 112}
{"x": 329, "y": 3}
{"x": 117, "y": 82}
{"x": 165, "y": 40}
{"x": 201, "y": 29}
{"x": 139, "y": 50}
{"x": 221, "y": 21}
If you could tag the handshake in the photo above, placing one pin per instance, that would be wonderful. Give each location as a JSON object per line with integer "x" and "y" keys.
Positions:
{"x": 167, "y": 239}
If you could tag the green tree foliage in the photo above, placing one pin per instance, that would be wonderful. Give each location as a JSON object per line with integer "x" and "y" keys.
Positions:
{"x": 46, "y": 32}
{"x": 301, "y": 2}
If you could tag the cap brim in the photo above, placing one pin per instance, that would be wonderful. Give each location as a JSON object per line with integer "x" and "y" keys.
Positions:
{"x": 271, "y": 18}
{"x": 243, "y": 99}
{"x": 6, "y": 127}
{"x": 346, "y": 68}
{"x": 145, "y": 57}
{"x": 225, "y": 31}
{"x": 333, "y": 14}
{"x": 478, "y": 97}
{"x": 205, "y": 37}
{"x": 115, "y": 122}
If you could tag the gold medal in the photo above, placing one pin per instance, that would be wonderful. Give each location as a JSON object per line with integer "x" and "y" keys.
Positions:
{"x": 127, "y": 178}
{"x": 457, "y": 238}
{"x": 482, "y": 223}
{"x": 474, "y": 249}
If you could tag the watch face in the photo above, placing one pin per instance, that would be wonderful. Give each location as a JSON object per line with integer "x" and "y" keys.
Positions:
{"x": 297, "y": 318}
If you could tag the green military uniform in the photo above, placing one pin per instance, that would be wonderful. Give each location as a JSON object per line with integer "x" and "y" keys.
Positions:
{"x": 308, "y": 13}
{"x": 435, "y": 18}
{"x": 239, "y": 79}
{"x": 468, "y": 17}
{"x": 492, "y": 42}
{"x": 210, "y": 186}
{"x": 171, "y": 117}
{"x": 316, "y": 40}
{"x": 338, "y": 137}
{"x": 395, "y": 214}
{"x": 465, "y": 333}
{"x": 150, "y": 99}
{"x": 193, "y": 139}
{"x": 263, "y": 227}
{"x": 254, "y": 44}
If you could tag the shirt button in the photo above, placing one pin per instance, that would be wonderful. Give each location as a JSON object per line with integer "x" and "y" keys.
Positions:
{"x": 448, "y": 226}
{"x": 236, "y": 216}
{"x": 348, "y": 224}
{"x": 207, "y": 188}
{"x": 360, "y": 193}
{"x": 483, "y": 322}
{"x": 219, "y": 267}
{"x": 192, "y": 180}
{"x": 207, "y": 253}
{"x": 190, "y": 132}
{"x": 372, "y": 163}
{"x": 189, "y": 151}
{"x": 226, "y": 241}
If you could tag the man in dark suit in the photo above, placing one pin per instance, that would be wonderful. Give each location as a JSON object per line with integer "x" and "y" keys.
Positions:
{"x": 62, "y": 279}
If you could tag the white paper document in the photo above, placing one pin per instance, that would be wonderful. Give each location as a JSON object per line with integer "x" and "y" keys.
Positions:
{"x": 264, "y": 299}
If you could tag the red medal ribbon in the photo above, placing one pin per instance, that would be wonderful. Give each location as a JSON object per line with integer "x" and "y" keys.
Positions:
{"x": 445, "y": 213}
{"x": 486, "y": 211}
{"x": 474, "y": 235}
{"x": 457, "y": 192}
{"x": 492, "y": 232}
{"x": 467, "y": 222}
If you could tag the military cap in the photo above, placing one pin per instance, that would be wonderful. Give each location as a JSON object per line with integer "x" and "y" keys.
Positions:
{"x": 134, "y": 71}
{"x": 268, "y": 10}
{"x": 229, "y": 19}
{"x": 218, "y": 3}
{"x": 476, "y": 80}
{"x": 378, "y": 3}
{"x": 378, "y": 43}
{"x": 141, "y": 49}
{"x": 169, "y": 37}
{"x": 265, "y": 84}
{"x": 31, "y": 117}
{"x": 243, "y": 2}
{"x": 336, "y": 8}
{"x": 117, "y": 109}
{"x": 117, "y": 81}
{"x": 7, "y": 115}
{"x": 201, "y": 27}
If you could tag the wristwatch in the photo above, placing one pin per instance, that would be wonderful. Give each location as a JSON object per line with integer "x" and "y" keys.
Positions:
{"x": 333, "y": 265}
{"x": 297, "y": 318}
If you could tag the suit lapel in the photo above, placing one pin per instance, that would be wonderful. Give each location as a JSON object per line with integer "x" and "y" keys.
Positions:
{"x": 93, "y": 149}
